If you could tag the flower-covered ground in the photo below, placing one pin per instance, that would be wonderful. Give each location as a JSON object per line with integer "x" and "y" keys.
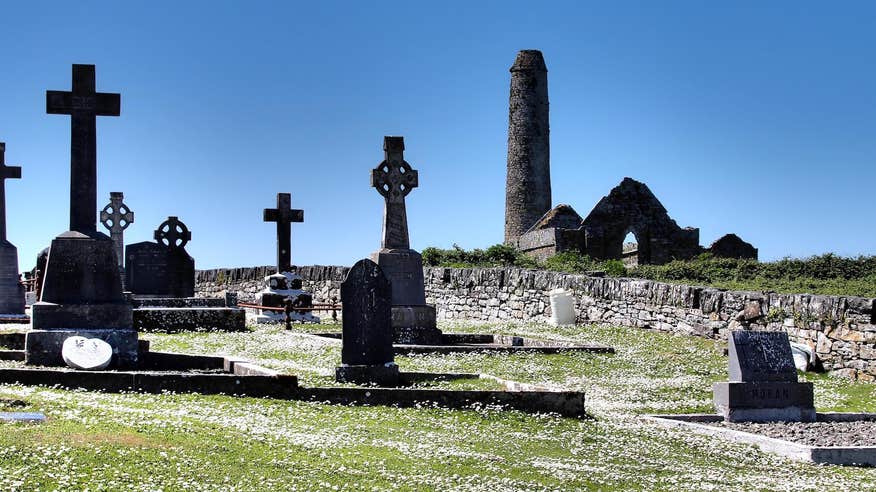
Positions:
{"x": 95, "y": 441}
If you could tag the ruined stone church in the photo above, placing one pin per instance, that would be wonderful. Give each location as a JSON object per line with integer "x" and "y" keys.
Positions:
{"x": 535, "y": 228}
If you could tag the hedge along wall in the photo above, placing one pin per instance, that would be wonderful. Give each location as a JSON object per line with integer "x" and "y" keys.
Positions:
{"x": 840, "y": 330}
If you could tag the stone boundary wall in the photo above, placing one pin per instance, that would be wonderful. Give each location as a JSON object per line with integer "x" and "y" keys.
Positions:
{"x": 840, "y": 330}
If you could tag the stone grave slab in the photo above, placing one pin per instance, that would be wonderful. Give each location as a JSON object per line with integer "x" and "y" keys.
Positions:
{"x": 763, "y": 382}
{"x": 366, "y": 350}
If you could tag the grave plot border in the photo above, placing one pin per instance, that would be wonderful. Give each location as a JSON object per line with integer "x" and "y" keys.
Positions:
{"x": 830, "y": 455}
{"x": 481, "y": 342}
{"x": 162, "y": 371}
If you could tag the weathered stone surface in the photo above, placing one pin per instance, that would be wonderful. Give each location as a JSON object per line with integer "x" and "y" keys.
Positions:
{"x": 766, "y": 401}
{"x": 731, "y": 246}
{"x": 190, "y": 318}
{"x": 763, "y": 381}
{"x": 514, "y": 295}
{"x": 394, "y": 178}
{"x": 756, "y": 356}
{"x": 43, "y": 347}
{"x": 528, "y": 179}
{"x": 83, "y": 104}
{"x": 367, "y": 332}
{"x": 116, "y": 217}
{"x": 163, "y": 268}
{"x": 82, "y": 288}
{"x": 11, "y": 291}
{"x": 366, "y": 352}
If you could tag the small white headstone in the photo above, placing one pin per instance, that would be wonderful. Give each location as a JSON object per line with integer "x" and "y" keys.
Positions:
{"x": 90, "y": 354}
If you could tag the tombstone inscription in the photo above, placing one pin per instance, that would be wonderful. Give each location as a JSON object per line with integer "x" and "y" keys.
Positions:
{"x": 11, "y": 290}
{"x": 413, "y": 320}
{"x": 162, "y": 268}
{"x": 763, "y": 382}
{"x": 366, "y": 351}
{"x": 82, "y": 289}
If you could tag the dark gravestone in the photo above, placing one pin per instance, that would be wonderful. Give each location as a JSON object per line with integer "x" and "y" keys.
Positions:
{"x": 413, "y": 320}
{"x": 366, "y": 352}
{"x": 284, "y": 215}
{"x": 763, "y": 381}
{"x": 163, "y": 268}
{"x": 11, "y": 290}
{"x": 82, "y": 289}
{"x": 757, "y": 356}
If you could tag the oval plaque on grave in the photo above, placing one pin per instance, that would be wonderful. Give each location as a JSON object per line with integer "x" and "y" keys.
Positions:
{"x": 90, "y": 354}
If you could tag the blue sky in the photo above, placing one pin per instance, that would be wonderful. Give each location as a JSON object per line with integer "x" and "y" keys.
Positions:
{"x": 757, "y": 118}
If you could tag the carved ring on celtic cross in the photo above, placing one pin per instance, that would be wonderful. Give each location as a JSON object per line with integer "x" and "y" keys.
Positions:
{"x": 394, "y": 177}
{"x": 110, "y": 217}
{"x": 173, "y": 233}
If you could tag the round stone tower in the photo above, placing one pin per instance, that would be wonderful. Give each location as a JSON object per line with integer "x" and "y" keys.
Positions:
{"x": 528, "y": 184}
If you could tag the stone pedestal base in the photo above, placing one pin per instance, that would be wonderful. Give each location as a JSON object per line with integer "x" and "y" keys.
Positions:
{"x": 49, "y": 316}
{"x": 415, "y": 325}
{"x": 381, "y": 375}
{"x": 43, "y": 347}
{"x": 11, "y": 291}
{"x": 764, "y": 401}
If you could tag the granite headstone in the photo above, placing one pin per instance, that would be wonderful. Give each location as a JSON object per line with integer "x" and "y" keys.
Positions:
{"x": 366, "y": 351}
{"x": 162, "y": 268}
{"x": 763, "y": 382}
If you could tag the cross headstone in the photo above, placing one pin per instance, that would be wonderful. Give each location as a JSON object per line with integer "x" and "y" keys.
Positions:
{"x": 394, "y": 178}
{"x": 82, "y": 288}
{"x": 116, "y": 217}
{"x": 11, "y": 290}
{"x": 6, "y": 172}
{"x": 284, "y": 215}
{"x": 83, "y": 105}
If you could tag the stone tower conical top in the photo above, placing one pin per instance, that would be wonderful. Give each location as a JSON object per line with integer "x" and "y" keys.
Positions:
{"x": 528, "y": 182}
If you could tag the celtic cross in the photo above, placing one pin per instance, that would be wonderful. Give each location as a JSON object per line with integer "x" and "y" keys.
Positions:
{"x": 173, "y": 233}
{"x": 394, "y": 178}
{"x": 116, "y": 217}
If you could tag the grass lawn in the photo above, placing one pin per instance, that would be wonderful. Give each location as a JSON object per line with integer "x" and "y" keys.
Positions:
{"x": 100, "y": 441}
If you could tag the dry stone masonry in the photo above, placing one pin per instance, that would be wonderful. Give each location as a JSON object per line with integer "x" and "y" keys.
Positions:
{"x": 528, "y": 182}
{"x": 840, "y": 330}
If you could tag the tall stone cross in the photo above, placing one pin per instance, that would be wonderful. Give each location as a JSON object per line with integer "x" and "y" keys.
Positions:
{"x": 116, "y": 217}
{"x": 83, "y": 104}
{"x": 284, "y": 215}
{"x": 394, "y": 178}
{"x": 5, "y": 172}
